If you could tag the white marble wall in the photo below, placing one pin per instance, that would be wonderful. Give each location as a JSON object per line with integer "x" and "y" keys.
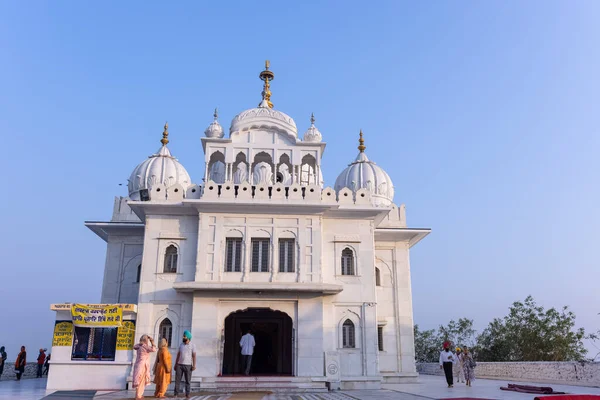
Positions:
{"x": 317, "y": 320}
{"x": 572, "y": 373}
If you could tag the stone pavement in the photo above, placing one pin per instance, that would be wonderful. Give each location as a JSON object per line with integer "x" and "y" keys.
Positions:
{"x": 428, "y": 387}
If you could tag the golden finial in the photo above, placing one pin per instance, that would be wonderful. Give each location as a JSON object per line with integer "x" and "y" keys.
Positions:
{"x": 361, "y": 141}
{"x": 165, "y": 138}
{"x": 267, "y": 76}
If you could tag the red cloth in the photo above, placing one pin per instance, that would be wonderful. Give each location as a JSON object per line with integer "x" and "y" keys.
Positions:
{"x": 41, "y": 358}
{"x": 530, "y": 389}
{"x": 570, "y": 397}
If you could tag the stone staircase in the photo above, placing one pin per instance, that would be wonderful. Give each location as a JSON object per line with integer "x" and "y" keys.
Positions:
{"x": 275, "y": 384}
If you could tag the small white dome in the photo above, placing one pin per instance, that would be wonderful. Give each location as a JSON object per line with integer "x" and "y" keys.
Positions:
{"x": 159, "y": 168}
{"x": 363, "y": 173}
{"x": 312, "y": 134}
{"x": 263, "y": 117}
{"x": 215, "y": 130}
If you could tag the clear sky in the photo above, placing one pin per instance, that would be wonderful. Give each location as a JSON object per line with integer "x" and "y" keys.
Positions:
{"x": 484, "y": 113}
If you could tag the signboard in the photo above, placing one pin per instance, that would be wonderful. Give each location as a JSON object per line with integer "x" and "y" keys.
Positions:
{"x": 109, "y": 316}
{"x": 68, "y": 306}
{"x": 63, "y": 334}
{"x": 126, "y": 336}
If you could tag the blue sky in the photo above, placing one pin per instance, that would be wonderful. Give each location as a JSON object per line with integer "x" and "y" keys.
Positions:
{"x": 485, "y": 115}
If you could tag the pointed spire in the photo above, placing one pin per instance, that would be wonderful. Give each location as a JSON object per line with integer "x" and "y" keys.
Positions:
{"x": 312, "y": 119}
{"x": 361, "y": 141}
{"x": 266, "y": 76}
{"x": 216, "y": 114}
{"x": 165, "y": 138}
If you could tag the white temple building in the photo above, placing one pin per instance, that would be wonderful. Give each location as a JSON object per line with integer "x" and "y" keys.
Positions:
{"x": 320, "y": 274}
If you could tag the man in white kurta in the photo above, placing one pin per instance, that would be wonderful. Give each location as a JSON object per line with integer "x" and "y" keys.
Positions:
{"x": 247, "y": 344}
{"x": 447, "y": 360}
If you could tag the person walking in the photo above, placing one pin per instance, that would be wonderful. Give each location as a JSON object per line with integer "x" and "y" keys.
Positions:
{"x": 469, "y": 365}
{"x": 47, "y": 365}
{"x": 162, "y": 369}
{"x": 185, "y": 363}
{"x": 247, "y": 344}
{"x": 447, "y": 362}
{"x": 20, "y": 363}
{"x": 40, "y": 362}
{"x": 141, "y": 368}
{"x": 2, "y": 360}
{"x": 458, "y": 366}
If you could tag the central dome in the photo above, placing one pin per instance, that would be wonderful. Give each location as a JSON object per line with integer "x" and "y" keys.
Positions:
{"x": 263, "y": 117}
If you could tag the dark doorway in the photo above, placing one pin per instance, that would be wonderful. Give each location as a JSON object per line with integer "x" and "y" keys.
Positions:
{"x": 273, "y": 334}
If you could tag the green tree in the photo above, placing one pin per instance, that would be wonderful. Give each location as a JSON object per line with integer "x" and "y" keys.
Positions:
{"x": 531, "y": 333}
{"x": 458, "y": 333}
{"x": 427, "y": 345}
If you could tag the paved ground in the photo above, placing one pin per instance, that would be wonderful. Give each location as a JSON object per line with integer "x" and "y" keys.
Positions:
{"x": 428, "y": 387}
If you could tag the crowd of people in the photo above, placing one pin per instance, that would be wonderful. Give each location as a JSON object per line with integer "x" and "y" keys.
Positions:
{"x": 459, "y": 364}
{"x": 43, "y": 362}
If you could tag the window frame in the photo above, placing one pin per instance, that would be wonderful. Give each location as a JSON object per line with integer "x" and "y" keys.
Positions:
{"x": 236, "y": 265}
{"x": 264, "y": 254}
{"x": 289, "y": 245}
{"x": 377, "y": 277}
{"x": 346, "y": 259}
{"x": 166, "y": 324}
{"x": 348, "y": 334}
{"x": 380, "y": 338}
{"x": 93, "y": 333}
{"x": 168, "y": 260}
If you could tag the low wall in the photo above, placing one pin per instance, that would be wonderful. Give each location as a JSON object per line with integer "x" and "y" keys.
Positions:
{"x": 568, "y": 373}
{"x": 9, "y": 371}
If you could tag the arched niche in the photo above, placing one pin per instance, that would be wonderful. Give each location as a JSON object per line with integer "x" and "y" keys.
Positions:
{"x": 284, "y": 170}
{"x": 308, "y": 170}
{"x": 240, "y": 169}
{"x": 216, "y": 167}
{"x": 262, "y": 169}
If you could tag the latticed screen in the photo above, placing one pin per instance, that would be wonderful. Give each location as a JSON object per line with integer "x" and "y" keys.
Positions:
{"x": 260, "y": 255}
{"x": 233, "y": 256}
{"x": 380, "y": 337}
{"x": 286, "y": 255}
{"x": 94, "y": 344}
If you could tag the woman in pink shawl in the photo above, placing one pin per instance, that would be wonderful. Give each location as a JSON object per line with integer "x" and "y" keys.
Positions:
{"x": 141, "y": 368}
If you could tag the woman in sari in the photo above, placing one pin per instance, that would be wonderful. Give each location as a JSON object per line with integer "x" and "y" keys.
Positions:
{"x": 468, "y": 366}
{"x": 162, "y": 369}
{"x": 141, "y": 368}
{"x": 20, "y": 363}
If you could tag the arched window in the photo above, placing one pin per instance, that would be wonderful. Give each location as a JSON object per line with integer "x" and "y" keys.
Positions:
{"x": 347, "y": 262}
{"x": 171, "y": 259}
{"x": 348, "y": 338}
{"x": 139, "y": 274}
{"x": 166, "y": 330}
{"x": 377, "y": 277}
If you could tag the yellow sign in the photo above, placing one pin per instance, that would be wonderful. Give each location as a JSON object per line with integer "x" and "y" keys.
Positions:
{"x": 109, "y": 316}
{"x": 126, "y": 336}
{"x": 63, "y": 334}
{"x": 68, "y": 306}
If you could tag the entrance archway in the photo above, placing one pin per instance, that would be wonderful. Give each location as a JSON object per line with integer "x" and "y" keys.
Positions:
{"x": 273, "y": 333}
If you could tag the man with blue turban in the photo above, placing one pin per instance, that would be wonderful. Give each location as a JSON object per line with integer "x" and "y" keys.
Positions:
{"x": 185, "y": 363}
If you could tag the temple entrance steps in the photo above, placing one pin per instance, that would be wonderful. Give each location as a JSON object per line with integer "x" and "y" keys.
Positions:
{"x": 275, "y": 384}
